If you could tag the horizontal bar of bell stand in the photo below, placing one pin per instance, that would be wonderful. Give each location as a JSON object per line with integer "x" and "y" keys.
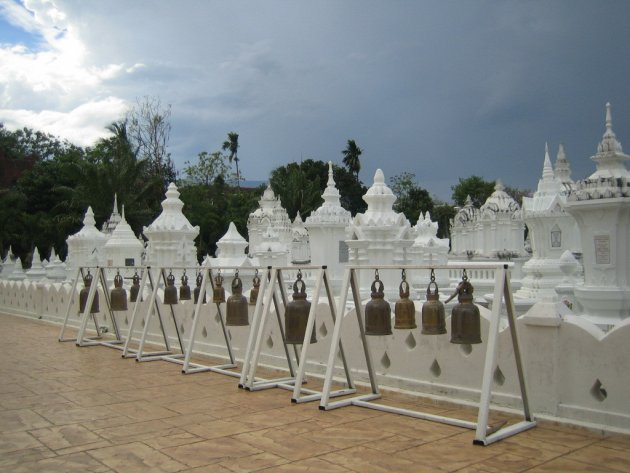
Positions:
{"x": 349, "y": 402}
{"x": 133, "y": 353}
{"x": 266, "y": 384}
{"x": 500, "y": 434}
{"x": 458, "y": 265}
{"x": 317, "y": 395}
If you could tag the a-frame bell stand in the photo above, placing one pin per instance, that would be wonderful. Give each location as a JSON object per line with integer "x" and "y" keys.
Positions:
{"x": 275, "y": 283}
{"x": 484, "y": 434}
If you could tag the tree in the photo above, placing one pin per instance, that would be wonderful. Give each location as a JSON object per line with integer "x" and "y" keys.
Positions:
{"x": 149, "y": 129}
{"x": 231, "y": 145}
{"x": 209, "y": 167}
{"x": 411, "y": 199}
{"x": 474, "y": 186}
{"x": 351, "y": 157}
{"x": 442, "y": 214}
{"x": 518, "y": 194}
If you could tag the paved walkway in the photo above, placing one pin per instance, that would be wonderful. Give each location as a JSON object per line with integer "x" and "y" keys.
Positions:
{"x": 66, "y": 409}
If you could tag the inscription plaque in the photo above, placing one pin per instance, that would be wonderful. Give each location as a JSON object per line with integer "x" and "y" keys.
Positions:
{"x": 602, "y": 249}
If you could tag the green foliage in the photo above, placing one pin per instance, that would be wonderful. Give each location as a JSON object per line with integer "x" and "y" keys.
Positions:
{"x": 208, "y": 168}
{"x": 27, "y": 142}
{"x": 411, "y": 199}
{"x": 351, "y": 155}
{"x": 231, "y": 145}
{"x": 442, "y": 214}
{"x": 474, "y": 186}
{"x": 300, "y": 187}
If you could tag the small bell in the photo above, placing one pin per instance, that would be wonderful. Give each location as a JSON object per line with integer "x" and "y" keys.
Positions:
{"x": 83, "y": 295}
{"x": 170, "y": 291}
{"x": 433, "y": 316}
{"x": 135, "y": 288}
{"x": 197, "y": 290}
{"x": 236, "y": 307}
{"x": 465, "y": 318}
{"x": 404, "y": 310}
{"x": 296, "y": 315}
{"x": 378, "y": 313}
{"x": 253, "y": 293}
{"x": 184, "y": 288}
{"x": 218, "y": 294}
{"x": 118, "y": 294}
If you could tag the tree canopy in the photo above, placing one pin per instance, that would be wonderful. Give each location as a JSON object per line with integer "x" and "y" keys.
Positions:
{"x": 411, "y": 199}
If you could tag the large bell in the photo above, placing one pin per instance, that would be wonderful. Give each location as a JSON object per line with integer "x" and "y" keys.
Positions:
{"x": 118, "y": 294}
{"x": 296, "y": 315}
{"x": 236, "y": 307}
{"x": 404, "y": 310}
{"x": 83, "y": 295}
{"x": 378, "y": 313}
{"x": 184, "y": 289}
{"x": 170, "y": 291}
{"x": 135, "y": 288}
{"x": 218, "y": 294}
{"x": 433, "y": 317}
{"x": 465, "y": 318}
{"x": 253, "y": 293}
{"x": 197, "y": 290}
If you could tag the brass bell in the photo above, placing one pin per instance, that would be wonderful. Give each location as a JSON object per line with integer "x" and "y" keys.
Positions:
{"x": 433, "y": 316}
{"x": 236, "y": 307}
{"x": 135, "y": 288}
{"x": 404, "y": 310}
{"x": 378, "y": 313}
{"x": 296, "y": 315}
{"x": 118, "y": 294}
{"x": 197, "y": 290}
{"x": 184, "y": 288}
{"x": 465, "y": 318}
{"x": 253, "y": 293}
{"x": 170, "y": 291}
{"x": 83, "y": 295}
{"x": 218, "y": 294}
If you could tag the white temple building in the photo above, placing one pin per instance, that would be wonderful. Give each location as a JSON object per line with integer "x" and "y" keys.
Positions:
{"x": 270, "y": 213}
{"x": 552, "y": 231}
{"x": 122, "y": 247}
{"x": 171, "y": 236}
{"x": 87, "y": 246}
{"x": 601, "y": 206}
{"x": 327, "y": 230}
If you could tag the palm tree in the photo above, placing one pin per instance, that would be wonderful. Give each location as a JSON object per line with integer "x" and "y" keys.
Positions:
{"x": 231, "y": 145}
{"x": 351, "y": 157}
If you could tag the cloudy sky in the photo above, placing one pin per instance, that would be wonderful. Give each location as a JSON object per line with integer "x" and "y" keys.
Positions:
{"x": 444, "y": 89}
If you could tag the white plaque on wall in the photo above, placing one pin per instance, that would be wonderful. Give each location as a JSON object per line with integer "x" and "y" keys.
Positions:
{"x": 343, "y": 252}
{"x": 602, "y": 249}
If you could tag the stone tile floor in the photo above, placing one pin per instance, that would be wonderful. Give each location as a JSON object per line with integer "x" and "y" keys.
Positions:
{"x": 66, "y": 409}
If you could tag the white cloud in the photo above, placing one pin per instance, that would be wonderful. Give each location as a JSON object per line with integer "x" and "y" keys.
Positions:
{"x": 82, "y": 125}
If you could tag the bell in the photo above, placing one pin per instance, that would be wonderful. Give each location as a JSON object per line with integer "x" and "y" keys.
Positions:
{"x": 433, "y": 318}
{"x": 135, "y": 288}
{"x": 236, "y": 306}
{"x": 184, "y": 289}
{"x": 118, "y": 294}
{"x": 378, "y": 313}
{"x": 404, "y": 310}
{"x": 465, "y": 318}
{"x": 83, "y": 295}
{"x": 197, "y": 290}
{"x": 218, "y": 294}
{"x": 170, "y": 291}
{"x": 253, "y": 293}
{"x": 296, "y": 315}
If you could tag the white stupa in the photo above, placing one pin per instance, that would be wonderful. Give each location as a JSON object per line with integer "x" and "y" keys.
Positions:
{"x": 110, "y": 224}
{"x": 36, "y": 271}
{"x": 86, "y": 247}
{"x": 122, "y": 247}
{"x": 171, "y": 236}
{"x": 300, "y": 246}
{"x": 269, "y": 213}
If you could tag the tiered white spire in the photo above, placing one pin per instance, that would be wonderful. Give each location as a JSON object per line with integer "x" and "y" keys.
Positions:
{"x": 114, "y": 219}
{"x": 331, "y": 211}
{"x": 610, "y": 156}
{"x": 563, "y": 168}
{"x": 37, "y": 270}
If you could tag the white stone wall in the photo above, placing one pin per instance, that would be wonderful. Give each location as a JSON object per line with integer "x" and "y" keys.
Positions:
{"x": 575, "y": 372}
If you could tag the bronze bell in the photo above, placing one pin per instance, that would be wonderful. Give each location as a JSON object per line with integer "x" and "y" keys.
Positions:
{"x": 433, "y": 317}
{"x": 404, "y": 310}
{"x": 465, "y": 318}
{"x": 296, "y": 315}
{"x": 236, "y": 307}
{"x": 118, "y": 294}
{"x": 378, "y": 313}
{"x": 135, "y": 288}
{"x": 218, "y": 294}
{"x": 170, "y": 291}
{"x": 83, "y": 295}
{"x": 184, "y": 289}
{"x": 253, "y": 293}
{"x": 197, "y": 290}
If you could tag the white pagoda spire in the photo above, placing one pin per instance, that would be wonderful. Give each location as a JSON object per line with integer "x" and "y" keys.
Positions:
{"x": 563, "y": 168}
{"x": 610, "y": 156}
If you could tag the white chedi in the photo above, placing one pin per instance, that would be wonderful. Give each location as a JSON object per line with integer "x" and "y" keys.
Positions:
{"x": 123, "y": 248}
{"x": 86, "y": 247}
{"x": 269, "y": 213}
{"x": 36, "y": 271}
